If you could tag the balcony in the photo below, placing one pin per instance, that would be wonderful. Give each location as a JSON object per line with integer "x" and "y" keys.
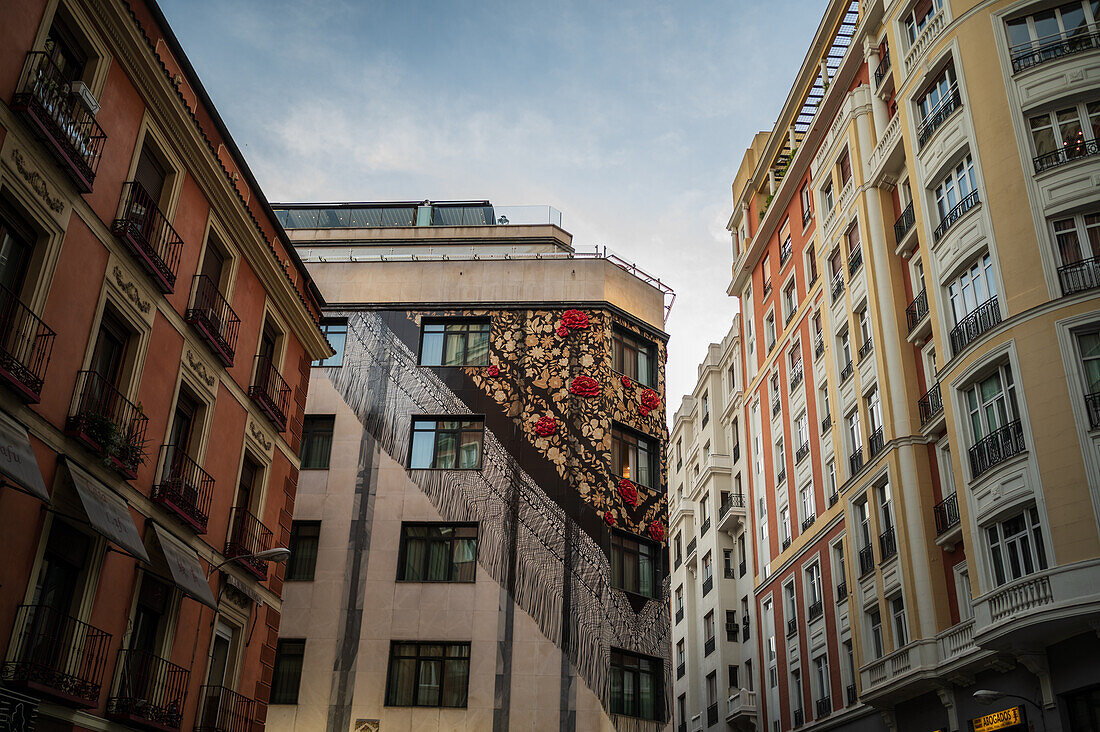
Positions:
{"x": 1092, "y": 406}
{"x": 986, "y": 316}
{"x": 808, "y": 522}
{"x": 248, "y": 536}
{"x": 781, "y": 476}
{"x": 826, "y": 424}
{"x": 955, "y": 214}
{"x": 25, "y": 347}
{"x": 802, "y": 451}
{"x": 108, "y": 423}
{"x": 996, "y": 447}
{"x": 1079, "y": 276}
{"x": 824, "y": 708}
{"x": 866, "y": 561}
{"x": 1066, "y": 154}
{"x": 270, "y": 392}
{"x": 777, "y": 404}
{"x": 785, "y": 252}
{"x": 883, "y": 68}
{"x": 865, "y": 348}
{"x": 150, "y": 691}
{"x": 855, "y": 261}
{"x": 855, "y": 461}
{"x": 935, "y": 119}
{"x": 679, "y": 614}
{"x": 60, "y": 119}
{"x": 705, "y": 526}
{"x": 837, "y": 286}
{"x": 850, "y": 694}
{"x": 947, "y": 514}
{"x": 792, "y": 627}
{"x": 708, "y": 646}
{"x": 56, "y": 655}
{"x": 798, "y": 718}
{"x": 732, "y": 630}
{"x": 876, "y": 443}
{"x": 816, "y": 610}
{"x": 796, "y": 375}
{"x": 786, "y": 543}
{"x": 681, "y": 669}
{"x": 184, "y": 488}
{"x": 712, "y": 714}
{"x": 887, "y": 544}
{"x": 842, "y": 591}
{"x": 833, "y": 498}
{"x": 210, "y": 315}
{"x": 731, "y": 512}
{"x": 917, "y": 312}
{"x": 819, "y": 347}
{"x": 892, "y": 671}
{"x": 1051, "y": 50}
{"x": 924, "y": 41}
{"x": 930, "y": 405}
{"x": 708, "y": 585}
{"x": 224, "y": 710}
{"x": 846, "y": 372}
{"x": 904, "y": 224}
{"x": 692, "y": 554}
{"x": 741, "y": 705}
{"x": 145, "y": 231}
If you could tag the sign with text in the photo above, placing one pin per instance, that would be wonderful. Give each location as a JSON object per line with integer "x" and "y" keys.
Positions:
{"x": 17, "y": 460}
{"x": 1012, "y": 717}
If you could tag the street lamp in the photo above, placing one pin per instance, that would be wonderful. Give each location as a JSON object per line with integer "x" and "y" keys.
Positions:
{"x": 988, "y": 696}
{"x": 279, "y": 555}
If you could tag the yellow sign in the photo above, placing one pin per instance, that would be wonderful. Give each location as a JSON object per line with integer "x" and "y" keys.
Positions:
{"x": 998, "y": 720}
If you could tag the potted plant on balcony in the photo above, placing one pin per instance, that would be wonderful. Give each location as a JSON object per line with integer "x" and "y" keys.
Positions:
{"x": 105, "y": 435}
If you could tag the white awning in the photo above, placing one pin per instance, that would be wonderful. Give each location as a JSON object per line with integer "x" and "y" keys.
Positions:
{"x": 107, "y": 512}
{"x": 17, "y": 461}
{"x": 184, "y": 565}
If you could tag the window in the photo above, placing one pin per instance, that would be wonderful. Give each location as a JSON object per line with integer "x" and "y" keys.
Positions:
{"x": 845, "y": 348}
{"x": 804, "y": 197}
{"x": 790, "y": 299}
{"x": 454, "y": 343}
{"x": 304, "y": 537}
{"x": 155, "y": 603}
{"x": 901, "y": 629}
{"x": 836, "y": 265}
{"x": 64, "y": 50}
{"x": 874, "y": 411}
{"x": 428, "y": 674}
{"x": 813, "y": 584}
{"x": 1077, "y": 238}
{"x": 633, "y": 357}
{"x": 785, "y": 524}
{"x": 806, "y": 501}
{"x": 437, "y": 553}
{"x": 708, "y": 626}
{"x": 863, "y": 521}
{"x": 681, "y": 709}
{"x": 803, "y": 430}
{"x": 875, "y": 621}
{"x": 864, "y": 325}
{"x": 316, "y": 441}
{"x": 766, "y": 270}
{"x": 336, "y": 330}
{"x": 958, "y": 184}
{"x": 708, "y": 567}
{"x": 287, "y": 675}
{"x": 680, "y": 599}
{"x": 712, "y": 688}
{"x": 1089, "y": 345}
{"x": 633, "y": 456}
{"x": 734, "y": 682}
{"x": 780, "y": 460}
{"x": 706, "y": 408}
{"x": 680, "y": 653}
{"x": 852, "y": 235}
{"x": 972, "y": 289}
{"x": 991, "y": 403}
{"x": 830, "y": 469}
{"x": 936, "y": 94}
{"x": 1065, "y": 130}
{"x": 446, "y": 443}
{"x": 1083, "y": 709}
{"x": 855, "y": 440}
{"x": 916, "y": 19}
{"x": 885, "y": 507}
{"x": 844, "y": 167}
{"x": 791, "y": 607}
{"x": 678, "y": 545}
{"x": 827, "y": 200}
{"x": 811, "y": 265}
{"x": 1042, "y": 33}
{"x": 727, "y": 562}
{"x": 635, "y": 685}
{"x": 821, "y": 676}
{"x": 1016, "y": 547}
{"x": 634, "y": 564}
{"x": 769, "y": 329}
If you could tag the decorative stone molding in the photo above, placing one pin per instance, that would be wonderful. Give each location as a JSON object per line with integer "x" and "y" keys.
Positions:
{"x": 257, "y": 434}
{"x": 36, "y": 182}
{"x": 199, "y": 368}
{"x": 131, "y": 291}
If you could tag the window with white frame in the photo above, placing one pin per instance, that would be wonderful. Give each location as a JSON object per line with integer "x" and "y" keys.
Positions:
{"x": 827, "y": 200}
{"x": 823, "y": 402}
{"x": 804, "y": 197}
{"x": 901, "y": 627}
{"x": 1088, "y": 344}
{"x": 845, "y": 348}
{"x": 959, "y": 183}
{"x": 885, "y": 507}
{"x": 991, "y": 403}
{"x": 864, "y": 325}
{"x": 874, "y": 411}
{"x": 874, "y": 622}
{"x": 806, "y": 501}
{"x": 785, "y": 524}
{"x": 821, "y": 677}
{"x": 1016, "y": 547}
{"x": 780, "y": 458}
{"x": 830, "y": 471}
{"x": 769, "y": 329}
{"x": 790, "y": 299}
{"x": 811, "y": 265}
{"x": 802, "y": 429}
{"x": 918, "y": 18}
{"x": 844, "y": 167}
{"x": 766, "y": 271}
{"x": 963, "y": 592}
{"x": 855, "y": 438}
{"x": 936, "y": 98}
{"x": 791, "y": 604}
{"x": 863, "y": 523}
{"x": 1043, "y": 33}
{"x": 1066, "y": 130}
{"x": 1077, "y": 238}
{"x": 813, "y": 584}
{"x": 973, "y": 288}
{"x": 852, "y": 236}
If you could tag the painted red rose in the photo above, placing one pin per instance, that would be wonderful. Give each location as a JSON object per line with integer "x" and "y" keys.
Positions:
{"x": 585, "y": 386}
{"x": 656, "y": 531}
{"x": 546, "y": 426}
{"x": 627, "y": 383}
{"x": 609, "y": 518}
{"x": 628, "y": 491}
{"x": 651, "y": 399}
{"x": 562, "y": 331}
{"x": 493, "y": 371}
{"x": 574, "y": 319}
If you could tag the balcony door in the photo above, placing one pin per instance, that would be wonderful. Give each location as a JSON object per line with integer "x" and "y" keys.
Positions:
{"x": 140, "y": 673}
{"x": 971, "y": 289}
{"x": 16, "y": 247}
{"x": 246, "y": 493}
{"x": 47, "y": 633}
{"x": 151, "y": 174}
{"x": 217, "y": 709}
{"x": 64, "y": 52}
{"x": 110, "y": 350}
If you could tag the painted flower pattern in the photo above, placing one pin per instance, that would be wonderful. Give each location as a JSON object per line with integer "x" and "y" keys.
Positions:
{"x": 585, "y": 386}
{"x": 493, "y": 371}
{"x": 574, "y": 319}
{"x": 546, "y": 426}
{"x": 628, "y": 491}
{"x": 656, "y": 531}
{"x": 609, "y": 518}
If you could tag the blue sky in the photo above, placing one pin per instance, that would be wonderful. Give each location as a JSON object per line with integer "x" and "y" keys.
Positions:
{"x": 631, "y": 118}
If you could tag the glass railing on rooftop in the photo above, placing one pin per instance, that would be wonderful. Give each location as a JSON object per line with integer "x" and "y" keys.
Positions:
{"x": 366, "y": 216}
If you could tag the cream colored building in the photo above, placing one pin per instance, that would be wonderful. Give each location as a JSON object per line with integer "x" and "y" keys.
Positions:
{"x": 490, "y": 515}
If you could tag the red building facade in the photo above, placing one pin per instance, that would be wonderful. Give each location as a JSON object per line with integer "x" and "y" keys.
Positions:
{"x": 156, "y": 336}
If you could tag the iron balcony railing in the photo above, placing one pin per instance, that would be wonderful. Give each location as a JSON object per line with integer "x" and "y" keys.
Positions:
{"x": 776, "y": 403}
{"x": 270, "y": 391}
{"x": 785, "y": 250}
{"x": 247, "y": 536}
{"x": 946, "y": 513}
{"x": 833, "y": 498}
{"x": 712, "y": 714}
{"x": 883, "y": 68}
{"x": 796, "y": 375}
{"x": 25, "y": 346}
{"x": 806, "y": 216}
{"x": 866, "y": 560}
{"x": 846, "y": 372}
{"x": 691, "y": 546}
{"x": 1080, "y": 276}
{"x": 150, "y": 691}
{"x": 108, "y": 423}
{"x": 736, "y": 455}
{"x": 819, "y": 347}
{"x": 1092, "y": 406}
{"x": 781, "y": 476}
{"x": 146, "y": 232}
{"x": 938, "y": 116}
{"x": 826, "y": 424}
{"x": 792, "y": 626}
{"x": 786, "y": 543}
{"x": 855, "y": 261}
{"x": 842, "y": 591}
{"x": 917, "y": 310}
{"x": 904, "y": 223}
{"x": 679, "y": 614}
{"x": 708, "y": 585}
{"x": 808, "y": 522}
{"x": 837, "y": 286}
{"x": 816, "y": 610}
{"x": 708, "y": 646}
{"x": 850, "y": 692}
{"x": 767, "y": 288}
{"x": 972, "y": 199}
{"x": 210, "y": 314}
{"x": 930, "y": 404}
{"x": 865, "y": 348}
{"x": 855, "y": 461}
{"x": 729, "y": 573}
{"x": 705, "y": 526}
{"x": 798, "y": 719}
{"x": 745, "y": 629}
{"x": 681, "y": 669}
{"x": 876, "y": 442}
{"x": 1066, "y": 154}
{"x": 1051, "y": 49}
{"x": 732, "y": 500}
{"x": 986, "y": 316}
{"x": 887, "y": 543}
{"x": 184, "y": 487}
{"x": 802, "y": 451}
{"x": 732, "y": 632}
{"x": 996, "y": 447}
{"x": 824, "y": 707}
{"x": 58, "y": 117}
{"x": 54, "y": 654}
{"x": 224, "y": 710}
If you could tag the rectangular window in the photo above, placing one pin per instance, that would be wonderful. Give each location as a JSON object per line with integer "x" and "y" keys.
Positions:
{"x": 785, "y": 524}
{"x": 855, "y": 440}
{"x": 991, "y": 403}
{"x": 827, "y": 199}
{"x": 706, "y": 409}
{"x": 437, "y": 553}
{"x": 804, "y": 197}
{"x": 336, "y": 331}
{"x": 766, "y": 269}
{"x": 1077, "y": 238}
{"x": 733, "y": 680}
{"x": 1016, "y": 547}
{"x": 304, "y": 537}
{"x": 901, "y": 628}
{"x": 972, "y": 289}
{"x": 708, "y": 626}
{"x": 633, "y": 357}
{"x": 428, "y": 674}
{"x": 446, "y": 443}
{"x": 633, "y": 456}
{"x": 769, "y": 329}
{"x": 634, "y": 564}
{"x": 1043, "y": 35}
{"x": 454, "y": 343}
{"x": 844, "y": 167}
{"x": 1066, "y": 131}
{"x": 811, "y": 265}
{"x": 813, "y": 584}
{"x": 317, "y": 441}
{"x": 918, "y": 17}
{"x": 878, "y": 649}
{"x": 936, "y": 94}
{"x": 636, "y": 685}
{"x": 852, "y": 235}
{"x": 790, "y": 299}
{"x": 958, "y": 184}
{"x": 287, "y": 675}
{"x": 1089, "y": 345}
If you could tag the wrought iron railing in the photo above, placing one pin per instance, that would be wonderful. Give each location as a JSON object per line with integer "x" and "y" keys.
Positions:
{"x": 996, "y": 447}
{"x": 1092, "y": 406}
{"x": 785, "y": 250}
{"x": 108, "y": 423}
{"x": 826, "y": 423}
{"x": 938, "y": 116}
{"x": 946, "y": 513}
{"x": 972, "y": 199}
{"x": 837, "y": 286}
{"x": 149, "y": 690}
{"x": 904, "y": 223}
{"x": 846, "y": 371}
{"x": 917, "y": 310}
{"x": 855, "y": 461}
{"x": 731, "y": 501}
{"x": 224, "y": 710}
{"x": 151, "y": 239}
{"x": 705, "y": 526}
{"x": 824, "y": 707}
{"x": 679, "y": 614}
{"x": 866, "y": 560}
{"x": 184, "y": 487}
{"x": 248, "y": 536}
{"x": 855, "y": 261}
{"x": 1080, "y": 276}
{"x": 887, "y": 543}
{"x": 930, "y": 404}
{"x": 681, "y": 669}
{"x": 798, "y": 719}
{"x": 802, "y": 451}
{"x": 833, "y": 498}
{"x": 1066, "y": 154}
{"x": 986, "y": 316}
{"x": 1051, "y": 50}
{"x": 865, "y": 348}
{"x": 25, "y": 346}
{"x": 850, "y": 693}
{"x": 712, "y": 714}
{"x": 883, "y": 68}
{"x": 819, "y": 347}
{"x": 708, "y": 646}
{"x": 56, "y": 654}
{"x": 776, "y": 403}
{"x": 786, "y": 543}
{"x": 796, "y": 375}
{"x": 270, "y": 391}
{"x": 842, "y": 591}
{"x": 808, "y": 521}
{"x": 691, "y": 546}
{"x": 212, "y": 317}
{"x": 816, "y": 610}
{"x": 733, "y": 631}
{"x": 708, "y": 585}
{"x": 792, "y": 626}
{"x": 781, "y": 475}
{"x": 876, "y": 442}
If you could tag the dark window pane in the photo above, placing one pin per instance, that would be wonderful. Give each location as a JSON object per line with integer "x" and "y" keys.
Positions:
{"x": 287, "y": 675}
{"x": 317, "y": 440}
{"x": 304, "y": 537}
{"x": 336, "y": 330}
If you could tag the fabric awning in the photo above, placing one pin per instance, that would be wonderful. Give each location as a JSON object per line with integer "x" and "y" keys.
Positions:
{"x": 183, "y": 564}
{"x": 107, "y": 512}
{"x": 17, "y": 461}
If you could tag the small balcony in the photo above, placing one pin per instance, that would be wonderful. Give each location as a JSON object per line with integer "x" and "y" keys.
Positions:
{"x": 946, "y": 513}
{"x": 692, "y": 553}
{"x": 846, "y": 372}
{"x": 842, "y": 591}
{"x": 930, "y": 405}
{"x": 826, "y": 424}
{"x": 799, "y": 720}
{"x": 60, "y": 119}
{"x": 819, "y": 347}
{"x": 708, "y": 646}
{"x": 824, "y": 707}
{"x": 837, "y": 286}
{"x": 796, "y": 375}
{"x": 1079, "y": 276}
{"x": 834, "y": 497}
{"x": 855, "y": 261}
{"x": 883, "y": 68}
{"x": 785, "y": 252}
{"x": 935, "y": 119}
{"x": 777, "y": 403}
{"x": 1092, "y": 406}
{"x": 1066, "y": 154}
{"x": 904, "y": 224}
{"x": 866, "y": 560}
{"x": 887, "y": 544}
{"x": 145, "y": 231}
{"x": 108, "y": 423}
{"x": 270, "y": 392}
{"x": 996, "y": 447}
{"x": 808, "y": 522}
{"x": 731, "y": 512}
{"x": 786, "y": 543}
{"x": 876, "y": 443}
{"x": 223, "y": 710}
{"x": 681, "y": 669}
{"x": 708, "y": 585}
{"x": 801, "y": 452}
{"x": 741, "y": 705}
{"x": 25, "y": 347}
{"x": 952, "y": 216}
{"x": 705, "y": 527}
{"x": 150, "y": 691}
{"x": 984, "y": 318}
{"x": 56, "y": 655}
{"x": 712, "y": 714}
{"x": 816, "y": 610}
{"x": 865, "y": 348}
{"x": 855, "y": 461}
{"x": 916, "y": 317}
{"x": 850, "y": 694}
{"x": 679, "y": 614}
{"x": 781, "y": 476}
{"x": 792, "y": 627}
{"x": 210, "y": 315}
{"x": 1062, "y": 45}
{"x": 184, "y": 488}
{"x": 247, "y": 535}
{"x": 732, "y": 631}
